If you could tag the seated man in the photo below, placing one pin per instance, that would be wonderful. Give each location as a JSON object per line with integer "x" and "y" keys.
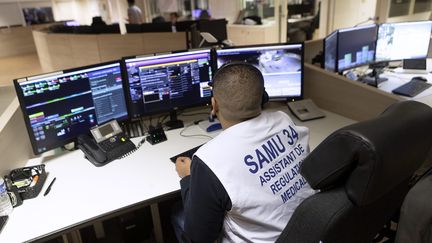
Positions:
{"x": 244, "y": 184}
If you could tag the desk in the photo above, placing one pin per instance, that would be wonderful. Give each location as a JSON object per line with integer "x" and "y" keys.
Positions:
{"x": 84, "y": 193}
{"x": 397, "y": 78}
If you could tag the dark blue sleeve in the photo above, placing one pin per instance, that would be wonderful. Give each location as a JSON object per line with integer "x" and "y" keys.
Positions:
{"x": 205, "y": 203}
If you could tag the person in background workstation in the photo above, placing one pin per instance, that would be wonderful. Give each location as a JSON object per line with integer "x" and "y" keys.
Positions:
{"x": 243, "y": 185}
{"x": 134, "y": 13}
{"x": 205, "y": 15}
{"x": 174, "y": 18}
{"x": 98, "y": 21}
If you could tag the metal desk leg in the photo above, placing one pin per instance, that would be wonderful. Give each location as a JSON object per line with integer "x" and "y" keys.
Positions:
{"x": 72, "y": 237}
{"x": 99, "y": 230}
{"x": 157, "y": 227}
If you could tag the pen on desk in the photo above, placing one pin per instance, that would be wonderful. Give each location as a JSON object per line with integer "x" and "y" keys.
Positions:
{"x": 49, "y": 186}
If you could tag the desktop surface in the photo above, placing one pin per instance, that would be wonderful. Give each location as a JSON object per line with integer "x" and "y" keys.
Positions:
{"x": 84, "y": 193}
{"x": 397, "y": 79}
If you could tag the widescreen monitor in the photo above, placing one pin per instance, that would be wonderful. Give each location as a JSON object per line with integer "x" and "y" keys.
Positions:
{"x": 280, "y": 64}
{"x": 163, "y": 83}
{"x": 356, "y": 46}
{"x": 330, "y": 51}
{"x": 398, "y": 41}
{"x": 59, "y": 106}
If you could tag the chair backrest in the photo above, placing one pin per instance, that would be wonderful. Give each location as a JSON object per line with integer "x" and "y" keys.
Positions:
{"x": 362, "y": 172}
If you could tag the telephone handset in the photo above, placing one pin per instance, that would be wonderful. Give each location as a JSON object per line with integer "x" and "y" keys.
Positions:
{"x": 107, "y": 144}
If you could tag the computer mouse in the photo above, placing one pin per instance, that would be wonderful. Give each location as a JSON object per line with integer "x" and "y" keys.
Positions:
{"x": 420, "y": 78}
{"x": 213, "y": 127}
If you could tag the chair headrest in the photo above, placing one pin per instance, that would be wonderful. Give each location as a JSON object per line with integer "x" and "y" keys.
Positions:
{"x": 370, "y": 158}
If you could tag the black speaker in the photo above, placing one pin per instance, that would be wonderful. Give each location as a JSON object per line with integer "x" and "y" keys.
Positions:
{"x": 417, "y": 64}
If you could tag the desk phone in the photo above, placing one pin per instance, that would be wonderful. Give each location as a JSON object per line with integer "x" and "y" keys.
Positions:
{"x": 107, "y": 144}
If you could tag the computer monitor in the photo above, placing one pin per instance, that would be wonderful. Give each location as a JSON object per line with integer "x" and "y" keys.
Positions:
{"x": 216, "y": 27}
{"x": 196, "y": 13}
{"x": 133, "y": 28}
{"x": 156, "y": 27}
{"x": 167, "y": 82}
{"x": 330, "y": 51}
{"x": 408, "y": 40}
{"x": 300, "y": 9}
{"x": 57, "y": 107}
{"x": 356, "y": 46}
{"x": 280, "y": 64}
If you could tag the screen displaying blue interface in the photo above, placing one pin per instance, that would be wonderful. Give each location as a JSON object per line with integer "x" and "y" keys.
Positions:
{"x": 163, "y": 83}
{"x": 356, "y": 46}
{"x": 58, "y": 107}
{"x": 330, "y": 51}
{"x": 281, "y": 66}
{"x": 408, "y": 40}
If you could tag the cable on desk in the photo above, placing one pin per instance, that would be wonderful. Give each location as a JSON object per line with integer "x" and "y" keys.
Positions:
{"x": 142, "y": 121}
{"x": 193, "y": 135}
{"x": 164, "y": 117}
{"x": 135, "y": 149}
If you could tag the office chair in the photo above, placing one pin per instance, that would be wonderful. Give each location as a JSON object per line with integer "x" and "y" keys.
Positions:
{"x": 362, "y": 171}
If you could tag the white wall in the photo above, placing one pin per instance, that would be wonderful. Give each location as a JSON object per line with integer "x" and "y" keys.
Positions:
{"x": 228, "y": 9}
{"x": 10, "y": 14}
{"x": 348, "y": 13}
{"x": 65, "y": 10}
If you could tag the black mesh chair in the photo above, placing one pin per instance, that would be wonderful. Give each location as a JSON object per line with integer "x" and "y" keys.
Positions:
{"x": 363, "y": 173}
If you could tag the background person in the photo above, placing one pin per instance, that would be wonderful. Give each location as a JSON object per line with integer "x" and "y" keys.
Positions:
{"x": 134, "y": 13}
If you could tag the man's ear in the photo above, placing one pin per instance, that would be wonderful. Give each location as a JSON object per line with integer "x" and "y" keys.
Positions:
{"x": 215, "y": 106}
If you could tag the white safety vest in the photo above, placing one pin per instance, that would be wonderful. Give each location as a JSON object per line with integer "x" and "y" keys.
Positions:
{"x": 257, "y": 162}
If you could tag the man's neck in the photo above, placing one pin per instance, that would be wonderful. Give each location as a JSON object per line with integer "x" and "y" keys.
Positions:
{"x": 227, "y": 124}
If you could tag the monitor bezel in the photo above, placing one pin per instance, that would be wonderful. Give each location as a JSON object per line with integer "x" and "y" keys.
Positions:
{"x": 126, "y": 84}
{"x": 20, "y": 97}
{"x": 336, "y": 32}
{"x": 404, "y": 22}
{"x": 279, "y": 98}
{"x": 353, "y": 29}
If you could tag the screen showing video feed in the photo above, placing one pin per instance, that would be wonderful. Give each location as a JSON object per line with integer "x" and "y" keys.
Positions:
{"x": 281, "y": 66}
{"x": 40, "y": 15}
{"x": 356, "y": 46}
{"x": 408, "y": 40}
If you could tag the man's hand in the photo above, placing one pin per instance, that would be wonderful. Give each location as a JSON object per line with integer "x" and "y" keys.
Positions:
{"x": 183, "y": 166}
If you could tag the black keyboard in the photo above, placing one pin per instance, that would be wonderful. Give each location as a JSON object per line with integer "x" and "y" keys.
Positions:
{"x": 189, "y": 153}
{"x": 412, "y": 88}
{"x": 3, "y": 220}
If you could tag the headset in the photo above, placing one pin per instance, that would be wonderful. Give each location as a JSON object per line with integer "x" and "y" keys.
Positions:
{"x": 265, "y": 96}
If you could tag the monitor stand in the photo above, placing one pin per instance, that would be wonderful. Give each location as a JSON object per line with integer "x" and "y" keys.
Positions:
{"x": 174, "y": 123}
{"x": 374, "y": 78}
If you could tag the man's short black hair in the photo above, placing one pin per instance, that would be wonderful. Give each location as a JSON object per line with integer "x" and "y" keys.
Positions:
{"x": 238, "y": 88}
